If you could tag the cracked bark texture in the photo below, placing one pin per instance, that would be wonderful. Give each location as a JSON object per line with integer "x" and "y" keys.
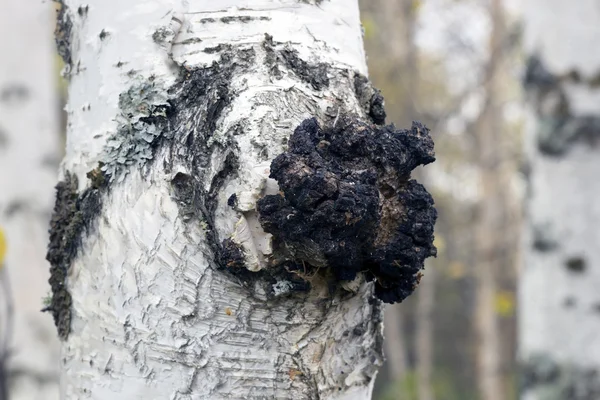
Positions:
{"x": 176, "y": 109}
{"x": 559, "y": 298}
{"x": 29, "y": 156}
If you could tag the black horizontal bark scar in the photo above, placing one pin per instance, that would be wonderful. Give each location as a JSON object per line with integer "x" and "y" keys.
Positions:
{"x": 347, "y": 203}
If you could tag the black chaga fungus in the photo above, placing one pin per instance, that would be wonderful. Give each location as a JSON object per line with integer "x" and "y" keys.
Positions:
{"x": 73, "y": 214}
{"x": 347, "y": 203}
{"x": 370, "y": 99}
{"x": 231, "y": 256}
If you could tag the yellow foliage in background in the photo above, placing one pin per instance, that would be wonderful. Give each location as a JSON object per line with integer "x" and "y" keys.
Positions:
{"x": 457, "y": 270}
{"x": 369, "y": 27}
{"x": 505, "y": 303}
{"x": 2, "y": 247}
{"x": 416, "y": 4}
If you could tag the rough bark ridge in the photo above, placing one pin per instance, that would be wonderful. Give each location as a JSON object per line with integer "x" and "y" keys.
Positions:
{"x": 198, "y": 113}
{"x": 559, "y": 345}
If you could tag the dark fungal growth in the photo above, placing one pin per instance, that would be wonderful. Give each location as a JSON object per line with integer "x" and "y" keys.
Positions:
{"x": 347, "y": 203}
{"x": 371, "y": 99}
{"x": 73, "y": 214}
{"x": 314, "y": 74}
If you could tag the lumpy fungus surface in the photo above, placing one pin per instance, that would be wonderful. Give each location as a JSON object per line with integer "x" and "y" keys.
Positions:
{"x": 347, "y": 203}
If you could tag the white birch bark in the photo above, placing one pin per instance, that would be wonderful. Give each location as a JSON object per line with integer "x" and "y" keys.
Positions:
{"x": 29, "y": 153}
{"x": 150, "y": 316}
{"x": 559, "y": 297}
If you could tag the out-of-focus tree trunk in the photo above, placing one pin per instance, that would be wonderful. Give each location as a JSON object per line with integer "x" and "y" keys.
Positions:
{"x": 29, "y": 152}
{"x": 424, "y": 335}
{"x": 395, "y": 341}
{"x": 490, "y": 158}
{"x": 559, "y": 321}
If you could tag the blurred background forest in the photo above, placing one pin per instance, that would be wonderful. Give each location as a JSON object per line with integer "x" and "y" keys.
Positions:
{"x": 457, "y": 66}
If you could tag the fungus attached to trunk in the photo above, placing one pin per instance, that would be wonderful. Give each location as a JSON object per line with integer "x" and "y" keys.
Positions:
{"x": 347, "y": 203}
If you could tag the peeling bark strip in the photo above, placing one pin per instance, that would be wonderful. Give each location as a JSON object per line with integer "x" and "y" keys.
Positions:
{"x": 347, "y": 204}
{"x": 559, "y": 128}
{"x": 549, "y": 379}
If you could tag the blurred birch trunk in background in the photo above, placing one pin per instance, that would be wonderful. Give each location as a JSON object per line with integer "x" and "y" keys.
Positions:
{"x": 29, "y": 153}
{"x": 559, "y": 297}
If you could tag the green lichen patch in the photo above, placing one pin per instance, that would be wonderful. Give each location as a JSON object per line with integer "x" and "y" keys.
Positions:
{"x": 142, "y": 124}
{"x": 73, "y": 215}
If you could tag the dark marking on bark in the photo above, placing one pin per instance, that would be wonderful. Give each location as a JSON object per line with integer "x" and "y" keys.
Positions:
{"x": 190, "y": 41}
{"x": 564, "y": 380}
{"x": 559, "y": 128}
{"x": 596, "y": 307}
{"x": 14, "y": 93}
{"x": 50, "y": 161}
{"x": 281, "y": 280}
{"x": 543, "y": 238}
{"x": 184, "y": 189}
{"x": 243, "y": 18}
{"x": 217, "y": 49}
{"x": 162, "y": 35}
{"x": 370, "y": 99}
{"x": 576, "y": 265}
{"x": 103, "y": 34}
{"x": 313, "y": 2}
{"x": 62, "y": 33}
{"x": 313, "y": 74}
{"x": 569, "y": 302}
{"x": 74, "y": 214}
{"x": 230, "y": 166}
{"x": 14, "y": 207}
{"x": 232, "y": 201}
{"x": 348, "y": 203}
{"x": 83, "y": 10}
{"x": 4, "y": 141}
{"x": 271, "y": 56}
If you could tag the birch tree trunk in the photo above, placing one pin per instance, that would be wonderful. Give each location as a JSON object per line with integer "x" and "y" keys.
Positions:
{"x": 163, "y": 277}
{"x": 29, "y": 153}
{"x": 424, "y": 335}
{"x": 492, "y": 209}
{"x": 560, "y": 302}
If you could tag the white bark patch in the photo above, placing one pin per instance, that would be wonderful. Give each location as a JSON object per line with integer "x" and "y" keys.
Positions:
{"x": 152, "y": 315}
